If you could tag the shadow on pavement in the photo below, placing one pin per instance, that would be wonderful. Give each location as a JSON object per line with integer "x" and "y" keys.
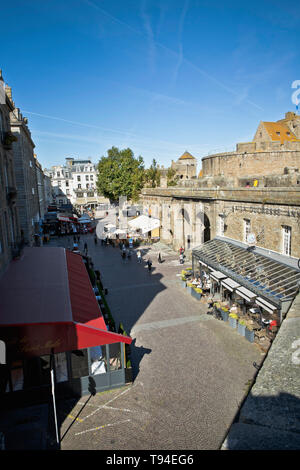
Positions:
{"x": 137, "y": 354}
{"x": 266, "y": 423}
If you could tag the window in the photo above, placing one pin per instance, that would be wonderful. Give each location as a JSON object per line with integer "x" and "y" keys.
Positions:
{"x": 58, "y": 174}
{"x": 87, "y": 186}
{"x": 91, "y": 177}
{"x": 79, "y": 194}
{"x": 30, "y": 163}
{"x": 67, "y": 184}
{"x": 86, "y": 177}
{"x": 79, "y": 186}
{"x": 221, "y": 225}
{"x": 78, "y": 178}
{"x": 247, "y": 229}
{"x": 32, "y": 190}
{"x": 286, "y": 240}
{"x": 79, "y": 361}
{"x": 98, "y": 360}
{"x": 17, "y": 377}
{"x": 115, "y": 361}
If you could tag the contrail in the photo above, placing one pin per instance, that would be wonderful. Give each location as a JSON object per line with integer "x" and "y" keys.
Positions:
{"x": 178, "y": 55}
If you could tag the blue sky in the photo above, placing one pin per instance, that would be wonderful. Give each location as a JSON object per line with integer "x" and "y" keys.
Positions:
{"x": 158, "y": 76}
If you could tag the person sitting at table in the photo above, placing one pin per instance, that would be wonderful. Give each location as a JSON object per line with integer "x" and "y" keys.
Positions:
{"x": 233, "y": 308}
{"x": 199, "y": 284}
{"x": 194, "y": 281}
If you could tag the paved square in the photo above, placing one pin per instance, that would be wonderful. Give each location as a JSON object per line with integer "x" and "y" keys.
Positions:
{"x": 190, "y": 371}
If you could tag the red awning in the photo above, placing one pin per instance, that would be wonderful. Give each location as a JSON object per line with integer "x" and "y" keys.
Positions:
{"x": 47, "y": 302}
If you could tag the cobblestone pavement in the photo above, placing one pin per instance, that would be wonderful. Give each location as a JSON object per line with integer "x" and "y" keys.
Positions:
{"x": 190, "y": 371}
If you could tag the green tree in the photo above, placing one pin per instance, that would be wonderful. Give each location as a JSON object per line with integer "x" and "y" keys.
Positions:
{"x": 171, "y": 178}
{"x": 120, "y": 174}
{"x": 152, "y": 175}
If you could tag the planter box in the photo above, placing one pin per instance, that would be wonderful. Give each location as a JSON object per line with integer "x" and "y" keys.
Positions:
{"x": 241, "y": 329}
{"x": 249, "y": 335}
{"x": 183, "y": 284}
{"x": 195, "y": 294}
{"x": 225, "y": 315}
{"x": 189, "y": 289}
{"x": 232, "y": 322}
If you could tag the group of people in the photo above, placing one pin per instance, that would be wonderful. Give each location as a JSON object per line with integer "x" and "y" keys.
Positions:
{"x": 204, "y": 283}
{"x": 126, "y": 253}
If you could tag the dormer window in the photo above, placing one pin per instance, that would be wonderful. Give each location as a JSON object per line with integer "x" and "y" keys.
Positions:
{"x": 288, "y": 133}
{"x": 277, "y": 132}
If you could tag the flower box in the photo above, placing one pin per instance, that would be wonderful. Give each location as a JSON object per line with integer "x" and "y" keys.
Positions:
{"x": 183, "y": 283}
{"x": 225, "y": 315}
{"x": 195, "y": 294}
{"x": 232, "y": 322}
{"x": 249, "y": 335}
{"x": 241, "y": 328}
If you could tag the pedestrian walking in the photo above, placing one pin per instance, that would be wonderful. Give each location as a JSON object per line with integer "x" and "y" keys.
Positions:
{"x": 129, "y": 254}
{"x": 181, "y": 260}
{"x": 149, "y": 264}
{"x": 139, "y": 256}
{"x": 159, "y": 258}
{"x": 95, "y": 239}
{"x": 85, "y": 248}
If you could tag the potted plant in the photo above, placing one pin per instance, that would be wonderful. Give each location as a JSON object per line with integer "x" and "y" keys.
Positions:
{"x": 183, "y": 281}
{"x": 241, "y": 327}
{"x": 233, "y": 320}
{"x": 189, "y": 286}
{"x": 225, "y": 313}
{"x": 249, "y": 333}
{"x": 197, "y": 293}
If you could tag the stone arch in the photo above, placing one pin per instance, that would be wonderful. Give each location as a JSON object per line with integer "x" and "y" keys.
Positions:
{"x": 206, "y": 226}
{"x": 207, "y": 233}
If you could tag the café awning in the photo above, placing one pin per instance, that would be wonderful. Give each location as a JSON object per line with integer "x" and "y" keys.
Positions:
{"x": 217, "y": 276}
{"x": 246, "y": 294}
{"x": 144, "y": 223}
{"x": 48, "y": 303}
{"x": 229, "y": 284}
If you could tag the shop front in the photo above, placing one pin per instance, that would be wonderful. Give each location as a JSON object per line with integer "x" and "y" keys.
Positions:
{"x": 50, "y": 314}
{"x": 252, "y": 287}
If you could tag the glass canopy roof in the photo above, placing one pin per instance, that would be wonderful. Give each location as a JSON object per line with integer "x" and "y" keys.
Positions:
{"x": 258, "y": 273}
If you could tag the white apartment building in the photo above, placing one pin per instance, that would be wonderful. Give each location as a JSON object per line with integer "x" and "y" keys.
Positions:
{"x": 75, "y": 183}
